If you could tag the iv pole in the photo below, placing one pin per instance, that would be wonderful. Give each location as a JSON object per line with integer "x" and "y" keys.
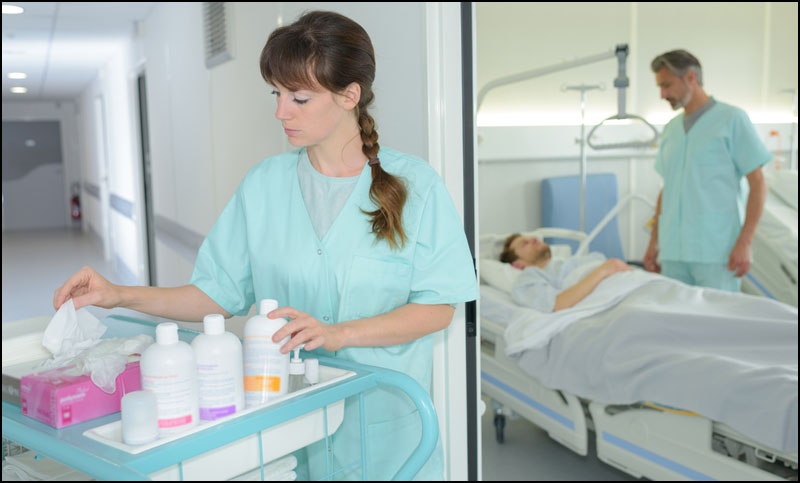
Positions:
{"x": 621, "y": 83}
{"x": 583, "y": 88}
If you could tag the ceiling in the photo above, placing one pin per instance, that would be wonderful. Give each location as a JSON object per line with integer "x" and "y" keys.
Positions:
{"x": 60, "y": 45}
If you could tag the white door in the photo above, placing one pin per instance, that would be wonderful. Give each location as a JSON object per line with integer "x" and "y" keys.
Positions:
{"x": 33, "y": 176}
{"x": 450, "y": 120}
{"x": 102, "y": 173}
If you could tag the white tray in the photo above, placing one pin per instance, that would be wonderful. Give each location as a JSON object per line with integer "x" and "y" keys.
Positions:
{"x": 241, "y": 456}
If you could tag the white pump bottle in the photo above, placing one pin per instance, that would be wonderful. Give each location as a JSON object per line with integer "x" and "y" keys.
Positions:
{"x": 219, "y": 369}
{"x": 169, "y": 371}
{"x": 266, "y": 370}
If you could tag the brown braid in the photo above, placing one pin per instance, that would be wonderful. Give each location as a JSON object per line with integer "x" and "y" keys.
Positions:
{"x": 386, "y": 191}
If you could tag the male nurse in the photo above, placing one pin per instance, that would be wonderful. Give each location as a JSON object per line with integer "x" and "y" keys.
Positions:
{"x": 704, "y": 229}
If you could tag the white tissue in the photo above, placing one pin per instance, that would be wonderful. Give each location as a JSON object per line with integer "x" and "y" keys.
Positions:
{"x": 74, "y": 339}
{"x": 69, "y": 333}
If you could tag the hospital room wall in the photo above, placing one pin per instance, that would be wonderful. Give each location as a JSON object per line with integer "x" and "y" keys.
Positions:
{"x": 527, "y": 130}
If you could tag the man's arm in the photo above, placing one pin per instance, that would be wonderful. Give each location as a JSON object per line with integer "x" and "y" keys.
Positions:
{"x": 651, "y": 255}
{"x": 571, "y": 296}
{"x": 739, "y": 259}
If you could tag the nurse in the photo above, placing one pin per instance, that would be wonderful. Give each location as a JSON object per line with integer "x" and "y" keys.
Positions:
{"x": 703, "y": 231}
{"x": 360, "y": 243}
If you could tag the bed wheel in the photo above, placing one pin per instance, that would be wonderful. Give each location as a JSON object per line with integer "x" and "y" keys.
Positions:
{"x": 499, "y": 426}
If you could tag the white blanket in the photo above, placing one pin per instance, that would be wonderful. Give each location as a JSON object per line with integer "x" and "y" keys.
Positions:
{"x": 532, "y": 329}
{"x": 642, "y": 337}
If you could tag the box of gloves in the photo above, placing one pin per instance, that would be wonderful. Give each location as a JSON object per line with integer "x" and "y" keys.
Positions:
{"x": 62, "y": 397}
{"x": 85, "y": 376}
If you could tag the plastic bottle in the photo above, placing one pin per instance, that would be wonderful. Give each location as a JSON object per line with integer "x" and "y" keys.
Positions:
{"x": 169, "y": 371}
{"x": 311, "y": 372}
{"x": 139, "y": 416}
{"x": 297, "y": 370}
{"x": 266, "y": 370}
{"x": 219, "y": 369}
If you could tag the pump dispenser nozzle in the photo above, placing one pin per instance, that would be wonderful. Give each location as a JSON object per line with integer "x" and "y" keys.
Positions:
{"x": 296, "y": 371}
{"x": 296, "y": 365}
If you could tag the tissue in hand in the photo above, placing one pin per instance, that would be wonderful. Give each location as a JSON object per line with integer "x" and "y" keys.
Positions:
{"x": 74, "y": 339}
{"x": 70, "y": 332}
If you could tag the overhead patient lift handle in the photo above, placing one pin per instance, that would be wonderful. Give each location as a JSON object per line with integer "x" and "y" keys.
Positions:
{"x": 530, "y": 74}
{"x": 621, "y": 83}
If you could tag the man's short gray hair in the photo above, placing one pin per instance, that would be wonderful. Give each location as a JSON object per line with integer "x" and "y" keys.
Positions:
{"x": 679, "y": 62}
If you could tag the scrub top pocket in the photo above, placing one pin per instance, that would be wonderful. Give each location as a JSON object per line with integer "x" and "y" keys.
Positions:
{"x": 374, "y": 287}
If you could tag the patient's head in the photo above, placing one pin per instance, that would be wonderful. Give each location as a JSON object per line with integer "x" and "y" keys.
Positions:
{"x": 525, "y": 251}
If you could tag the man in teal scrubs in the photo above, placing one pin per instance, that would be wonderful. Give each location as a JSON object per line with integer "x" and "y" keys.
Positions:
{"x": 703, "y": 230}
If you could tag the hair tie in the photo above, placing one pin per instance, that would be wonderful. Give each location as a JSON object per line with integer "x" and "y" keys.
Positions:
{"x": 374, "y": 162}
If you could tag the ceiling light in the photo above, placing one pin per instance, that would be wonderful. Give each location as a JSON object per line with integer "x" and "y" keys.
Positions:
{"x": 12, "y": 9}
{"x": 19, "y": 90}
{"x": 17, "y": 75}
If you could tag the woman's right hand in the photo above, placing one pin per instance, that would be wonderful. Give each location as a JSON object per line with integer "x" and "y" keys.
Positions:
{"x": 87, "y": 287}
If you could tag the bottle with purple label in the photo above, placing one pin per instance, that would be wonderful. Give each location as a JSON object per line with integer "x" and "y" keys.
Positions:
{"x": 219, "y": 369}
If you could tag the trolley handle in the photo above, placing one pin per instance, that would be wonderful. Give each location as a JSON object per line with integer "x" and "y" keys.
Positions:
{"x": 430, "y": 425}
{"x": 420, "y": 398}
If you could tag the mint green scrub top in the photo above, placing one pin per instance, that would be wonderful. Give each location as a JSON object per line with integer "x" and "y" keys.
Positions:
{"x": 264, "y": 246}
{"x": 704, "y": 195}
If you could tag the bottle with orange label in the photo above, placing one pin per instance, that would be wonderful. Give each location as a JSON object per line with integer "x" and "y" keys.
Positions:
{"x": 266, "y": 370}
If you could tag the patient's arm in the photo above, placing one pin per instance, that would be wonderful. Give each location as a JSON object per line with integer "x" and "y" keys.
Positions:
{"x": 571, "y": 296}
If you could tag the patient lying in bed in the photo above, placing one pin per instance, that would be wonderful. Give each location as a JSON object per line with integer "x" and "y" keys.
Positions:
{"x": 549, "y": 285}
{"x": 613, "y": 334}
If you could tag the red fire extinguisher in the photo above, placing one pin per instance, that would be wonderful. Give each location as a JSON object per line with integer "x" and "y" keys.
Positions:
{"x": 75, "y": 203}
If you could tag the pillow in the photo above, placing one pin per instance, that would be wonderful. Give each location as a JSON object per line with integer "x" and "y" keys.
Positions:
{"x": 560, "y": 252}
{"x": 498, "y": 274}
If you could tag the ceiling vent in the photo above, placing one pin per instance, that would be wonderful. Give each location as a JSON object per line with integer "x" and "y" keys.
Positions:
{"x": 218, "y": 35}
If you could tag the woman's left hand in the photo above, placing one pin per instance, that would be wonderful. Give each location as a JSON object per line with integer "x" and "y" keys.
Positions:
{"x": 305, "y": 329}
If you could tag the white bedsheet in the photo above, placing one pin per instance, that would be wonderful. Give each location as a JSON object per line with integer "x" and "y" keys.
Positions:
{"x": 642, "y": 337}
{"x": 531, "y": 329}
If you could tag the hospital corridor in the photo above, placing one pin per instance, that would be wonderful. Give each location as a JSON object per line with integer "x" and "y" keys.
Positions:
{"x": 449, "y": 241}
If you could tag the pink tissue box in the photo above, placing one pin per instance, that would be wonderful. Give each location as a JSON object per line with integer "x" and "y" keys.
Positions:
{"x": 60, "y": 400}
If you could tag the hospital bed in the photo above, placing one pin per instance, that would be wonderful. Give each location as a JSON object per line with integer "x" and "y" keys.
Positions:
{"x": 773, "y": 270}
{"x": 644, "y": 439}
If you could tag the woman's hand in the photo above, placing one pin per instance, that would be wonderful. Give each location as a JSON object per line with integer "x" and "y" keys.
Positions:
{"x": 87, "y": 287}
{"x": 307, "y": 330}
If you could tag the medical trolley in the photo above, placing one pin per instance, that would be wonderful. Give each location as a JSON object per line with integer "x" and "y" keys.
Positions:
{"x": 230, "y": 446}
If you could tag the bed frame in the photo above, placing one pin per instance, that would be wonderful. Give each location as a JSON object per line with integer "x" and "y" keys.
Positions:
{"x": 645, "y": 441}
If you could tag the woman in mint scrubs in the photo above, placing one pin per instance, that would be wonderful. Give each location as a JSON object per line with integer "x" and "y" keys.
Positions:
{"x": 360, "y": 244}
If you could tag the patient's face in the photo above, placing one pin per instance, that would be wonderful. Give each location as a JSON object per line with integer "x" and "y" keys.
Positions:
{"x": 530, "y": 249}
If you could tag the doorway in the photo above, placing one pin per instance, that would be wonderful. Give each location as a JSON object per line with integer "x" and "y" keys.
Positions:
{"x": 144, "y": 140}
{"x": 33, "y": 176}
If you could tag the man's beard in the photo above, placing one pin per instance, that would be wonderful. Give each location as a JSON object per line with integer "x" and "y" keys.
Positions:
{"x": 542, "y": 256}
{"x": 682, "y": 102}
